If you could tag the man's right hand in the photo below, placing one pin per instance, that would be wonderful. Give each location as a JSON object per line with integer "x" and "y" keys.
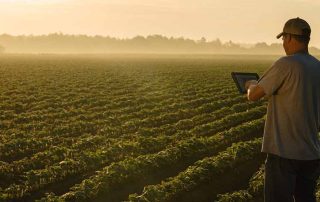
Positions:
{"x": 255, "y": 92}
{"x": 250, "y": 82}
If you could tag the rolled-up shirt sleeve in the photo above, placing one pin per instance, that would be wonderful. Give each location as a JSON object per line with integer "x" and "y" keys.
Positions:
{"x": 273, "y": 78}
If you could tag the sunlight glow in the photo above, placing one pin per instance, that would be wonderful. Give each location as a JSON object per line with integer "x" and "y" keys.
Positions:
{"x": 246, "y": 21}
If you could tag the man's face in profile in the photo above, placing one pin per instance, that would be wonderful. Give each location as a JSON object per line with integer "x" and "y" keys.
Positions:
{"x": 285, "y": 41}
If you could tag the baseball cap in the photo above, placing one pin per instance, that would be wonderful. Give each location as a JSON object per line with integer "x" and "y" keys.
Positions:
{"x": 296, "y": 26}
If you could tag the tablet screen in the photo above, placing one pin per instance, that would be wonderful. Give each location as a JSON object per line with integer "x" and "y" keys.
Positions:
{"x": 240, "y": 79}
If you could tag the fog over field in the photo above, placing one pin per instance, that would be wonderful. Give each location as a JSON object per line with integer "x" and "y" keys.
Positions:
{"x": 61, "y": 43}
{"x": 158, "y": 26}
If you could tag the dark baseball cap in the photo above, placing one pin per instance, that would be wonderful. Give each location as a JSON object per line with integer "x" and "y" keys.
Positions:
{"x": 296, "y": 26}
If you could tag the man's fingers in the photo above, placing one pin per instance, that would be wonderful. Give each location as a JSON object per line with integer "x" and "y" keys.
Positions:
{"x": 250, "y": 82}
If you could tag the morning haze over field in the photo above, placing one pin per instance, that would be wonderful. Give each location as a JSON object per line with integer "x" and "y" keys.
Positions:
{"x": 158, "y": 26}
{"x": 91, "y": 122}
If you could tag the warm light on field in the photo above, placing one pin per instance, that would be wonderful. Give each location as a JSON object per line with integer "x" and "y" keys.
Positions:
{"x": 70, "y": 122}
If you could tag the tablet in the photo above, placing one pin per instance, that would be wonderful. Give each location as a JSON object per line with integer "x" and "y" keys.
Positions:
{"x": 240, "y": 79}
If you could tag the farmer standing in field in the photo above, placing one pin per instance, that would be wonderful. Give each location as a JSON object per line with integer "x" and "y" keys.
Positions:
{"x": 292, "y": 86}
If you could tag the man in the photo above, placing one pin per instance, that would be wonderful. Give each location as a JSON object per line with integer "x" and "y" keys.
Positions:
{"x": 292, "y": 86}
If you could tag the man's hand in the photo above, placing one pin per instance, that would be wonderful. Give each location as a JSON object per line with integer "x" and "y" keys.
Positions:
{"x": 250, "y": 82}
{"x": 255, "y": 92}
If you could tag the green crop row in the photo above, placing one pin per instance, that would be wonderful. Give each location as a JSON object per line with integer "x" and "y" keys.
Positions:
{"x": 118, "y": 174}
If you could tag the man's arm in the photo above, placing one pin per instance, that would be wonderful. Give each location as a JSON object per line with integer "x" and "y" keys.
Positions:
{"x": 254, "y": 91}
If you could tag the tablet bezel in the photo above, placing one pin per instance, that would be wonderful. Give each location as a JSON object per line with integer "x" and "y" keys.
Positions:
{"x": 234, "y": 76}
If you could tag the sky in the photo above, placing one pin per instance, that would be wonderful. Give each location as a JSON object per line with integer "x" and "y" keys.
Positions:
{"x": 241, "y": 21}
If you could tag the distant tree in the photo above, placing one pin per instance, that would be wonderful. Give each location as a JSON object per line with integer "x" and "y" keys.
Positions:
{"x": 231, "y": 44}
{"x": 216, "y": 44}
{"x": 138, "y": 38}
{"x": 202, "y": 40}
{"x": 261, "y": 45}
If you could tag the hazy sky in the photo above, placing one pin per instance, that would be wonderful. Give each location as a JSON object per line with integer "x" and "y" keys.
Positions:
{"x": 243, "y": 21}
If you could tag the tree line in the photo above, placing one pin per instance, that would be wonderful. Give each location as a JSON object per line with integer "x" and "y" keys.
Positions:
{"x": 65, "y": 43}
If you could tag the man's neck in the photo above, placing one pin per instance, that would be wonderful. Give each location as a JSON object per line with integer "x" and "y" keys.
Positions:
{"x": 300, "y": 50}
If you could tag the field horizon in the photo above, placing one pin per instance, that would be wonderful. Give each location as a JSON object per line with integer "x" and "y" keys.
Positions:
{"x": 61, "y": 43}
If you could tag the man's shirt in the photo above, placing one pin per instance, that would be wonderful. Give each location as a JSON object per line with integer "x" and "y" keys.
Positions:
{"x": 292, "y": 86}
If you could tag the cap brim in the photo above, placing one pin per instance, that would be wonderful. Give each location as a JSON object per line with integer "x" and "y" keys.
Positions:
{"x": 280, "y": 35}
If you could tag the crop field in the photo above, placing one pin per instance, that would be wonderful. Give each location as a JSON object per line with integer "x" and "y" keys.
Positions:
{"x": 129, "y": 128}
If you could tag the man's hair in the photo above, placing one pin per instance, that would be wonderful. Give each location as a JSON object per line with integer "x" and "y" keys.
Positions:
{"x": 305, "y": 38}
